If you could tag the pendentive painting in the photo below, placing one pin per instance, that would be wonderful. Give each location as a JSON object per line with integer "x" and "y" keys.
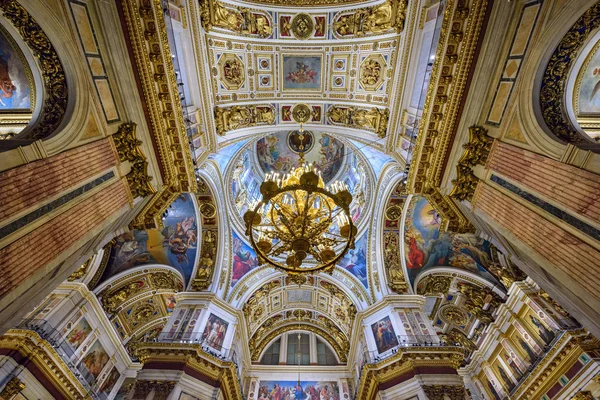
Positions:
{"x": 385, "y": 336}
{"x": 426, "y": 247}
{"x": 174, "y": 245}
{"x": 214, "y": 332}
{"x": 302, "y": 72}
{"x": 110, "y": 381}
{"x": 79, "y": 333}
{"x": 15, "y": 77}
{"x": 306, "y": 390}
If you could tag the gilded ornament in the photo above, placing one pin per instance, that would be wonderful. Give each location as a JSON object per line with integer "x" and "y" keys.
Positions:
{"x": 165, "y": 280}
{"x": 214, "y": 14}
{"x": 379, "y": 19}
{"x": 12, "y": 388}
{"x": 301, "y": 113}
{"x": 302, "y": 26}
{"x": 161, "y": 389}
{"x": 554, "y": 80}
{"x": 305, "y": 3}
{"x": 208, "y": 257}
{"x": 583, "y": 395}
{"x": 81, "y": 271}
{"x": 55, "y": 83}
{"x": 237, "y": 117}
{"x": 433, "y": 285}
{"x": 454, "y": 315}
{"x": 444, "y": 392}
{"x": 393, "y": 212}
{"x": 232, "y": 71}
{"x": 208, "y": 210}
{"x": 373, "y": 120}
{"x": 393, "y": 266}
{"x": 371, "y": 72}
{"x": 128, "y": 149}
{"x": 112, "y": 300}
{"x": 477, "y": 150}
{"x": 143, "y": 312}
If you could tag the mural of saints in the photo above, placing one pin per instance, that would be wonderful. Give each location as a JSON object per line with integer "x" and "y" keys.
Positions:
{"x": 385, "y": 336}
{"x": 214, "y": 332}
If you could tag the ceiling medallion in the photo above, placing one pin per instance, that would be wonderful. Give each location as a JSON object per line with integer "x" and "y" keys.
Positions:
{"x": 301, "y": 113}
{"x": 303, "y": 26}
{"x": 299, "y": 225}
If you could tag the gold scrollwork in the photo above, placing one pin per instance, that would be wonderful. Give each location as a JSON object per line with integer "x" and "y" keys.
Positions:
{"x": 12, "y": 388}
{"x": 57, "y": 95}
{"x": 393, "y": 266}
{"x": 377, "y": 19}
{"x": 128, "y": 150}
{"x": 371, "y": 72}
{"x": 433, "y": 285}
{"x": 214, "y": 14}
{"x": 554, "y": 80}
{"x": 208, "y": 257}
{"x": 455, "y": 315}
{"x": 81, "y": 271}
{"x": 477, "y": 150}
{"x": 236, "y": 117}
{"x": 301, "y": 113}
{"x": 161, "y": 389}
{"x": 375, "y": 119}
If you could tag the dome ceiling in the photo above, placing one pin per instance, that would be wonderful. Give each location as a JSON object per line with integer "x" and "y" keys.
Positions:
{"x": 280, "y": 152}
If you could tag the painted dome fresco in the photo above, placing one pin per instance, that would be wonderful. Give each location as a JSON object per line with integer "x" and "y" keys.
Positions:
{"x": 280, "y": 152}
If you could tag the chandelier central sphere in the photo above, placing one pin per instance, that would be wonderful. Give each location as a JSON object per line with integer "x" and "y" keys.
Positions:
{"x": 300, "y": 226}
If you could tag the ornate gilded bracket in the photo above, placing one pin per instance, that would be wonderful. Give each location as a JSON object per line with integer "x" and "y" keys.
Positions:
{"x": 374, "y": 119}
{"x": 444, "y": 392}
{"x": 128, "y": 150}
{"x": 476, "y": 152}
{"x": 55, "y": 81}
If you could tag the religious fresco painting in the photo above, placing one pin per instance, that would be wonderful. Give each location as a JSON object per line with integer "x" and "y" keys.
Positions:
{"x": 302, "y": 72}
{"x": 355, "y": 260}
{"x": 307, "y": 390}
{"x": 589, "y": 90}
{"x": 175, "y": 245}
{"x": 426, "y": 247}
{"x": 384, "y": 334}
{"x": 539, "y": 327}
{"x": 110, "y": 381}
{"x": 170, "y": 302}
{"x": 15, "y": 77}
{"x": 279, "y": 152}
{"x": 79, "y": 333}
{"x": 245, "y": 183}
{"x": 244, "y": 259}
{"x": 214, "y": 332}
{"x": 95, "y": 360}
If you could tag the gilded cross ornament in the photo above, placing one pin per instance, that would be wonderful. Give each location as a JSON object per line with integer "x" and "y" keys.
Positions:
{"x": 302, "y": 26}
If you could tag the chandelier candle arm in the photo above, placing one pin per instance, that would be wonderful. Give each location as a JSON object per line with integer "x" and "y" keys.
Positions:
{"x": 300, "y": 226}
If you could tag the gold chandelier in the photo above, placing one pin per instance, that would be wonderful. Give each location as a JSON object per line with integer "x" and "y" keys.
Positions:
{"x": 300, "y": 226}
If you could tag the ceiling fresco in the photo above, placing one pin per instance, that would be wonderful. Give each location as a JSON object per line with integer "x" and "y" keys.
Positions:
{"x": 174, "y": 245}
{"x": 280, "y": 152}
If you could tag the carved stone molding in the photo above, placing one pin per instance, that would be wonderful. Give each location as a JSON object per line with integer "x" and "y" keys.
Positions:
{"x": 477, "y": 150}
{"x": 53, "y": 74}
{"x": 554, "y": 80}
